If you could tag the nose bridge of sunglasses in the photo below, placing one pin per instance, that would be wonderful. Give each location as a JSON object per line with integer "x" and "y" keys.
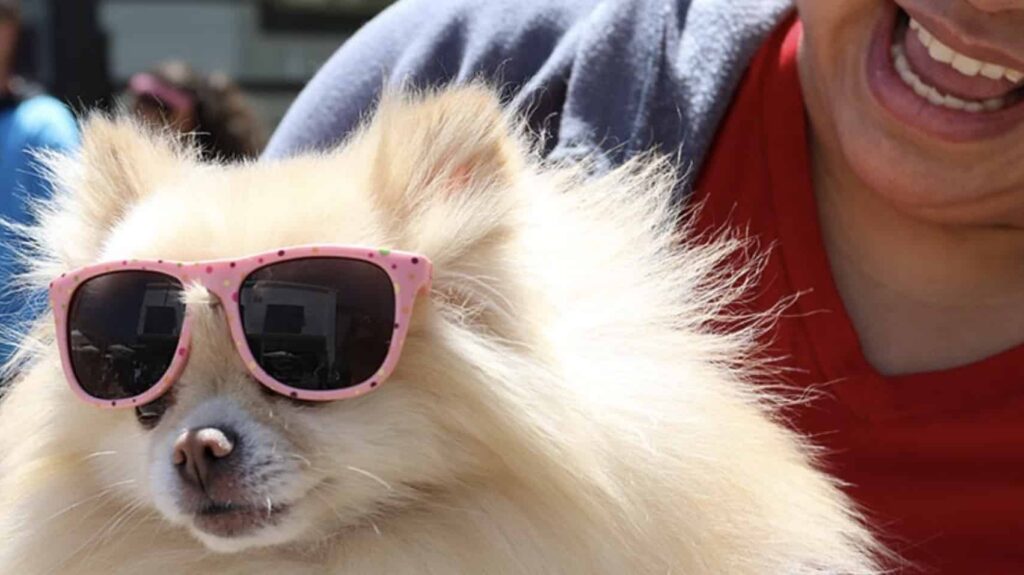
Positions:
{"x": 197, "y": 295}
{"x": 206, "y": 333}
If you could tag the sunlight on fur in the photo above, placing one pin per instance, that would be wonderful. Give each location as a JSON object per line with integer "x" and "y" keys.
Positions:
{"x": 562, "y": 405}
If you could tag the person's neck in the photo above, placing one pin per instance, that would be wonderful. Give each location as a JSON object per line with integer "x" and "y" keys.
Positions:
{"x": 923, "y": 294}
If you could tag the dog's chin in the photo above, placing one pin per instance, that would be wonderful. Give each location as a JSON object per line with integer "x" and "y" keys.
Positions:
{"x": 234, "y": 529}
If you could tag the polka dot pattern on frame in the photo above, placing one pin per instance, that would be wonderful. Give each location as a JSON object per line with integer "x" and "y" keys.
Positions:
{"x": 224, "y": 279}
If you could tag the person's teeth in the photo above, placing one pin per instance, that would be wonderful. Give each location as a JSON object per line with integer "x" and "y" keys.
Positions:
{"x": 994, "y": 104}
{"x": 966, "y": 66}
{"x": 993, "y": 71}
{"x": 932, "y": 94}
{"x": 936, "y": 98}
{"x": 954, "y": 102}
{"x": 941, "y": 52}
{"x": 962, "y": 63}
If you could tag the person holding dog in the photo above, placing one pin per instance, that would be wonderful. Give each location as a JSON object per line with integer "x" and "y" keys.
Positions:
{"x": 873, "y": 148}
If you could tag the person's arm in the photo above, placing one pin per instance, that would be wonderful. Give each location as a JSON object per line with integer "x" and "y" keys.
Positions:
{"x": 423, "y": 43}
{"x": 42, "y": 124}
{"x": 50, "y": 127}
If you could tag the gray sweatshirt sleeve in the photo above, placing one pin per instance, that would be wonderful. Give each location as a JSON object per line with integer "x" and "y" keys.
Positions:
{"x": 422, "y": 43}
{"x": 599, "y": 79}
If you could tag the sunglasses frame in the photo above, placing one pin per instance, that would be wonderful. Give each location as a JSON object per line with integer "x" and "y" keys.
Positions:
{"x": 411, "y": 275}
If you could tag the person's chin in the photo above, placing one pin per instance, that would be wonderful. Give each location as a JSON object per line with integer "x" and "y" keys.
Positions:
{"x": 925, "y": 157}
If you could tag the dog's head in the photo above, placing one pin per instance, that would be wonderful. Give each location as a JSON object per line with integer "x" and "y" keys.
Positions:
{"x": 438, "y": 175}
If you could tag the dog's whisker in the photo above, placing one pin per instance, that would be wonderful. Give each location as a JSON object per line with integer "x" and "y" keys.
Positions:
{"x": 110, "y": 489}
{"x": 330, "y": 504}
{"x": 370, "y": 475}
{"x": 341, "y": 518}
{"x": 96, "y": 454}
{"x": 303, "y": 459}
{"x": 90, "y": 543}
{"x": 117, "y": 521}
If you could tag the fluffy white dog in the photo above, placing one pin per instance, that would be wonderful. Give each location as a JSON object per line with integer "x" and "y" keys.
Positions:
{"x": 563, "y": 404}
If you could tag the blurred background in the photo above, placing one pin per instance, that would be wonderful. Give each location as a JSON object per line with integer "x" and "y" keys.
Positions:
{"x": 220, "y": 73}
{"x": 84, "y": 52}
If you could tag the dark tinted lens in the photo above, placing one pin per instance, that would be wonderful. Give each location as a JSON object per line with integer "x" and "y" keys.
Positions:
{"x": 319, "y": 323}
{"x": 123, "y": 330}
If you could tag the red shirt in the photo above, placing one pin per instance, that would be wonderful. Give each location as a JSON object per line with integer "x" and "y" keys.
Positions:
{"x": 936, "y": 459}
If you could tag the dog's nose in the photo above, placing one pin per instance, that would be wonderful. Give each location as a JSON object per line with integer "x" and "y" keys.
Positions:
{"x": 201, "y": 454}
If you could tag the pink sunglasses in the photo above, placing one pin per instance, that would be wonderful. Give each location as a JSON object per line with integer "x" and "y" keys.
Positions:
{"x": 315, "y": 323}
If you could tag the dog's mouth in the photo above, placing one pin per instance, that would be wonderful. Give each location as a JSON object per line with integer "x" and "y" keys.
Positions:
{"x": 233, "y": 520}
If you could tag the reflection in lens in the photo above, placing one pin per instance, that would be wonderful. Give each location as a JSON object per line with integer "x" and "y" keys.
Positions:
{"x": 319, "y": 323}
{"x": 123, "y": 330}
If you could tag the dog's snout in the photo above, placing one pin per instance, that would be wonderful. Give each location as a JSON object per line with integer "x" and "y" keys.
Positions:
{"x": 201, "y": 455}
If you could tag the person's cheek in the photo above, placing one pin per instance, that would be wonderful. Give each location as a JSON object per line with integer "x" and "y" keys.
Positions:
{"x": 835, "y": 44}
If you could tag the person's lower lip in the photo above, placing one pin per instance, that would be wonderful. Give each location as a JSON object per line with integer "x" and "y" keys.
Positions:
{"x": 900, "y": 101}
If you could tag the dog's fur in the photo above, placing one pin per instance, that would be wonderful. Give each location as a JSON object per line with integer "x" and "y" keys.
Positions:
{"x": 563, "y": 403}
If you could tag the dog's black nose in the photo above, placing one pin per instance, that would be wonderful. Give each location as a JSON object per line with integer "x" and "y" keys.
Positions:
{"x": 202, "y": 456}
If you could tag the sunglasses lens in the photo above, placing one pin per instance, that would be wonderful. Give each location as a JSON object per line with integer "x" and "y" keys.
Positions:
{"x": 319, "y": 323}
{"x": 123, "y": 329}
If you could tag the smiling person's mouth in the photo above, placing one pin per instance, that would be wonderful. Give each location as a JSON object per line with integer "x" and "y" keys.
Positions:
{"x": 948, "y": 78}
{"x": 959, "y": 94}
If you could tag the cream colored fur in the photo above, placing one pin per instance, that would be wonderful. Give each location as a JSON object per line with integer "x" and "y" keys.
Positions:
{"x": 563, "y": 404}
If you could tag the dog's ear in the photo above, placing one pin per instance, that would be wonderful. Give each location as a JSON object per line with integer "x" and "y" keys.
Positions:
{"x": 119, "y": 162}
{"x": 455, "y": 146}
{"x": 447, "y": 172}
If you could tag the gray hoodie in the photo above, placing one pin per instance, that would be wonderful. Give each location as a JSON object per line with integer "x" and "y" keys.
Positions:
{"x": 604, "y": 79}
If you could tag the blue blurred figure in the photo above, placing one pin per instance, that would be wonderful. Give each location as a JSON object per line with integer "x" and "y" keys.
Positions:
{"x": 29, "y": 121}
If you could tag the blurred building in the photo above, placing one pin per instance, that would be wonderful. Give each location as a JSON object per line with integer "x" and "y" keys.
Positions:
{"x": 84, "y": 51}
